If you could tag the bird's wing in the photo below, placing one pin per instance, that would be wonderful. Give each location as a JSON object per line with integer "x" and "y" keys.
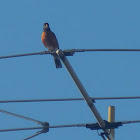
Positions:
{"x": 54, "y": 40}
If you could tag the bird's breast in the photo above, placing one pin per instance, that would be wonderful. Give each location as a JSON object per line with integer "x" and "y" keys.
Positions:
{"x": 49, "y": 40}
{"x": 44, "y": 39}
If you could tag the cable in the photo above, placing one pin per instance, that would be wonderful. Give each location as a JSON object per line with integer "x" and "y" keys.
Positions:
{"x": 64, "y": 126}
{"x": 38, "y": 133}
{"x": 23, "y": 117}
{"x": 128, "y": 122}
{"x": 117, "y": 98}
{"x": 68, "y": 125}
{"x": 88, "y": 50}
{"x": 19, "y": 55}
{"x": 69, "y": 99}
{"x": 20, "y": 129}
{"x": 33, "y": 128}
{"x": 40, "y": 100}
{"x": 70, "y": 52}
{"x": 102, "y": 135}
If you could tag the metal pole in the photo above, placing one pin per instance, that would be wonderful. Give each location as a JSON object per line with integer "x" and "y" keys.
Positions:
{"x": 111, "y": 118}
{"x": 83, "y": 91}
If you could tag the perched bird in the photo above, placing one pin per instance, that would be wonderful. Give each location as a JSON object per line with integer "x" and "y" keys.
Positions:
{"x": 50, "y": 41}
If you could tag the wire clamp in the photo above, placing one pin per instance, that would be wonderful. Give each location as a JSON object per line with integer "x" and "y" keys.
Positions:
{"x": 45, "y": 127}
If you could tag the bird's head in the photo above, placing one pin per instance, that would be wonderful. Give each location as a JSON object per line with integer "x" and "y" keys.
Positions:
{"x": 46, "y": 26}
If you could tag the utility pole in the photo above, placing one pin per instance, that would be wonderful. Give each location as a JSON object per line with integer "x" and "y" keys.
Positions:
{"x": 111, "y": 118}
{"x": 87, "y": 98}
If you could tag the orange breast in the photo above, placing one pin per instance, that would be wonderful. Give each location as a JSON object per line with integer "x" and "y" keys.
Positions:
{"x": 44, "y": 39}
{"x": 49, "y": 40}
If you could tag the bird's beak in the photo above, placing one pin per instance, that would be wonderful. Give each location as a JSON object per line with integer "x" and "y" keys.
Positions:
{"x": 46, "y": 26}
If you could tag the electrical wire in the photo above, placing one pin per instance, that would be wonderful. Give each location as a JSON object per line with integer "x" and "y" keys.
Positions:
{"x": 69, "y": 99}
{"x": 33, "y": 128}
{"x": 23, "y": 117}
{"x": 94, "y": 50}
{"x": 128, "y": 122}
{"x": 38, "y": 133}
{"x": 71, "y": 52}
{"x": 27, "y": 54}
{"x": 20, "y": 129}
{"x": 63, "y": 126}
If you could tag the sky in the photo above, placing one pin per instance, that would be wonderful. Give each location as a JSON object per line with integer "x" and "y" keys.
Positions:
{"x": 78, "y": 24}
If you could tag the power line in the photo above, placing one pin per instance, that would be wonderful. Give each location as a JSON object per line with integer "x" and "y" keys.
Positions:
{"x": 35, "y": 128}
{"x": 67, "y": 126}
{"x": 128, "y": 122}
{"x": 20, "y": 129}
{"x": 71, "y": 52}
{"x": 101, "y": 122}
{"x": 44, "y": 130}
{"x": 45, "y": 125}
{"x": 23, "y": 117}
{"x": 69, "y": 99}
{"x": 27, "y": 54}
{"x": 94, "y": 50}
{"x": 117, "y": 98}
{"x": 38, "y": 133}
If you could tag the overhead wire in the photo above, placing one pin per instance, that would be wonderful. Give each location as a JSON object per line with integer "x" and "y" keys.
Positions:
{"x": 62, "y": 126}
{"x": 38, "y": 133}
{"x": 20, "y": 129}
{"x": 69, "y": 99}
{"x": 45, "y": 125}
{"x": 34, "y": 128}
{"x": 23, "y": 117}
{"x": 88, "y": 50}
{"x": 70, "y": 52}
{"x": 27, "y": 54}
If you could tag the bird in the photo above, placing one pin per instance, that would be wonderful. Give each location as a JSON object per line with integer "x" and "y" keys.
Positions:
{"x": 50, "y": 41}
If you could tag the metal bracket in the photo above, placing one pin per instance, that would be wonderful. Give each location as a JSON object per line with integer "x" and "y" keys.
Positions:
{"x": 108, "y": 125}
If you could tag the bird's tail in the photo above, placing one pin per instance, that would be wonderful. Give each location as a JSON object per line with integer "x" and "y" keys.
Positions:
{"x": 57, "y": 61}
